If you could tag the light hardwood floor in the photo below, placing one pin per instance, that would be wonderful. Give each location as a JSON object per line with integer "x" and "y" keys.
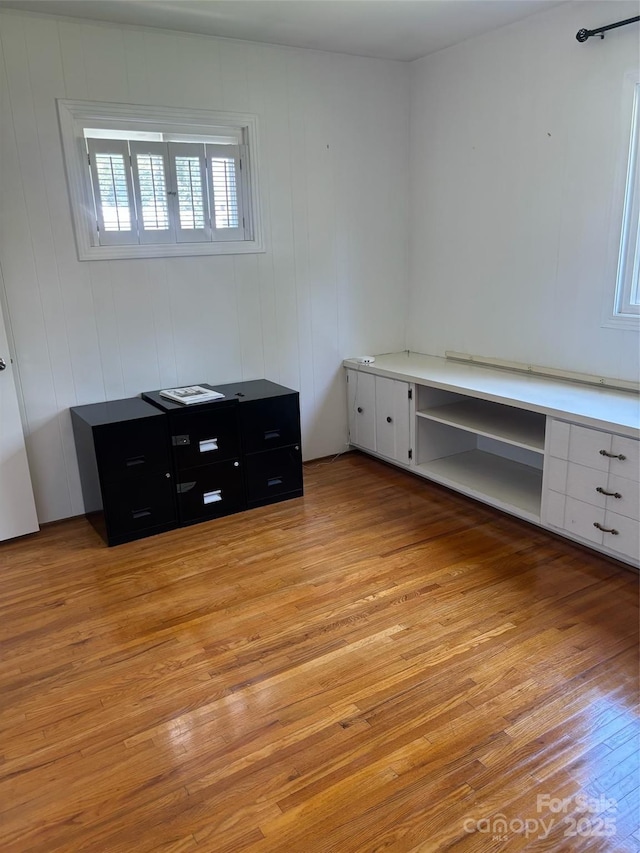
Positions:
{"x": 381, "y": 665}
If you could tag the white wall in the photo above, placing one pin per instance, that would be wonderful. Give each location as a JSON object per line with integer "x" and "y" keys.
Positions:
{"x": 331, "y": 284}
{"x": 516, "y": 145}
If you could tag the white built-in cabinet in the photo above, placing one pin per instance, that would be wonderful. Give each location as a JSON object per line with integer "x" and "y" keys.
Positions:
{"x": 379, "y": 415}
{"x": 518, "y": 450}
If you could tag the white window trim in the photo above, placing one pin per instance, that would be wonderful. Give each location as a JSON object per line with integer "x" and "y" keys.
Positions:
{"x": 623, "y": 251}
{"x": 75, "y": 115}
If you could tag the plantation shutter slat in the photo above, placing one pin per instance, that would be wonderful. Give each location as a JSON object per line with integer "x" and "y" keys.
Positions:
{"x": 113, "y": 191}
{"x": 189, "y": 183}
{"x": 150, "y": 165}
{"x": 226, "y": 182}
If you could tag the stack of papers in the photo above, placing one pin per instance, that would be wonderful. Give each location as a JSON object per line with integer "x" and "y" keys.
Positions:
{"x": 191, "y": 394}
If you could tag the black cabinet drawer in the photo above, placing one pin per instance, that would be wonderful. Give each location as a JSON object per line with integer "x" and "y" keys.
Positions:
{"x": 272, "y": 474}
{"x": 270, "y": 423}
{"x": 210, "y": 491}
{"x": 135, "y": 505}
{"x": 132, "y": 449}
{"x": 205, "y": 437}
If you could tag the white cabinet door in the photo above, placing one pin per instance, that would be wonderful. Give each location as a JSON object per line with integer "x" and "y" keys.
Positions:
{"x": 18, "y": 514}
{"x": 392, "y": 419}
{"x": 361, "y": 399}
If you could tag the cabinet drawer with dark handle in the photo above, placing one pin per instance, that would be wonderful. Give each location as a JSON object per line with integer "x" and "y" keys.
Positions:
{"x": 139, "y": 504}
{"x": 267, "y": 424}
{"x": 273, "y": 473}
{"x": 133, "y": 449}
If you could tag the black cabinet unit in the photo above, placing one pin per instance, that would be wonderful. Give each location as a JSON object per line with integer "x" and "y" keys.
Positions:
{"x": 270, "y": 429}
{"x": 125, "y": 469}
{"x": 207, "y": 457}
{"x": 149, "y": 465}
{"x": 255, "y": 426}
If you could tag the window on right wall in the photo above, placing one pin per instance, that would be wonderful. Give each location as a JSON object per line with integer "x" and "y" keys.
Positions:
{"x": 627, "y": 293}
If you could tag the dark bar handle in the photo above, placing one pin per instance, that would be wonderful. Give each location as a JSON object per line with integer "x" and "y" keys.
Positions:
{"x": 140, "y": 513}
{"x": 135, "y": 460}
{"x": 606, "y": 529}
{"x": 271, "y": 433}
{"x": 274, "y": 481}
{"x": 608, "y": 494}
{"x": 619, "y": 456}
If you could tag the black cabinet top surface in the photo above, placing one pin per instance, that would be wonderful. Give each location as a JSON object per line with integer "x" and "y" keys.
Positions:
{"x": 254, "y": 389}
{"x": 234, "y": 392}
{"x": 115, "y": 411}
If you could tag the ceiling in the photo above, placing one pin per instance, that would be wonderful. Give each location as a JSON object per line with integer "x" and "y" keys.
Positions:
{"x": 387, "y": 29}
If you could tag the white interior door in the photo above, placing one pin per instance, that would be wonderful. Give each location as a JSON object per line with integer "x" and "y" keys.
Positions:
{"x": 17, "y": 507}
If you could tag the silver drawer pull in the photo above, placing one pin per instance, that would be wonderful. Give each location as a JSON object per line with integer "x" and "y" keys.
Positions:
{"x": 208, "y": 444}
{"x": 608, "y": 494}
{"x": 212, "y": 497}
{"x": 606, "y": 529}
{"x": 619, "y": 456}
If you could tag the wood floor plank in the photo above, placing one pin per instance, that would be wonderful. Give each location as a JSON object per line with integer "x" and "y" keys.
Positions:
{"x": 378, "y": 666}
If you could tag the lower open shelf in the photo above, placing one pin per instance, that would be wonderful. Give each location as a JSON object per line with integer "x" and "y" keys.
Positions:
{"x": 502, "y": 482}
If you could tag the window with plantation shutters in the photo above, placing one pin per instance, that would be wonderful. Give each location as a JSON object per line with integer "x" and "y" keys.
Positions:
{"x": 183, "y": 192}
{"x": 168, "y": 183}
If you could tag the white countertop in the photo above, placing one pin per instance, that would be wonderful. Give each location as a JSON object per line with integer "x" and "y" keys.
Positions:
{"x": 604, "y": 408}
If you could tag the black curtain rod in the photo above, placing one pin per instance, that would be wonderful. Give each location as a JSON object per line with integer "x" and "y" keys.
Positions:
{"x": 583, "y": 35}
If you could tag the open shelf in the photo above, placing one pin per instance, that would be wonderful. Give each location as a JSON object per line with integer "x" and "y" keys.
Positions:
{"x": 493, "y": 420}
{"x": 495, "y": 479}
